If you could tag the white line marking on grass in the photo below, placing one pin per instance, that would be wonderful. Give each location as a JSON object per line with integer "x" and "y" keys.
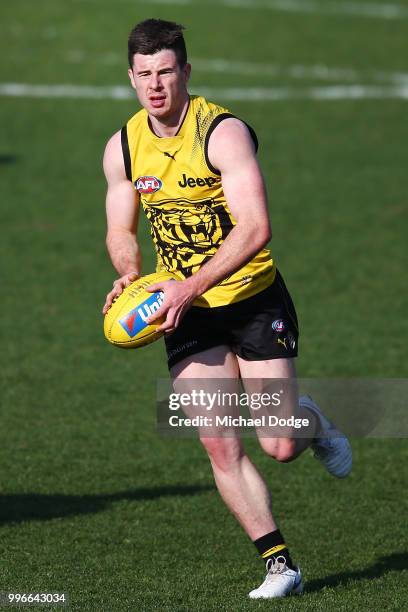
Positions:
{"x": 22, "y": 90}
{"x": 319, "y": 7}
{"x": 75, "y": 56}
{"x": 253, "y": 94}
{"x": 317, "y": 71}
{"x": 184, "y": 2}
{"x": 382, "y": 11}
{"x": 335, "y": 92}
{"x": 358, "y": 9}
{"x": 243, "y": 68}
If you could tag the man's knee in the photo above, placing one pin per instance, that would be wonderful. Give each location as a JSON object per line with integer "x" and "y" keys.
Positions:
{"x": 281, "y": 449}
{"x": 224, "y": 453}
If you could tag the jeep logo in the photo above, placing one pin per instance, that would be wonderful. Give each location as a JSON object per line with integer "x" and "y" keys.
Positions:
{"x": 198, "y": 182}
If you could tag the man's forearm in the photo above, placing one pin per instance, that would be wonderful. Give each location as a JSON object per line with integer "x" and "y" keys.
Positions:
{"x": 240, "y": 246}
{"x": 124, "y": 252}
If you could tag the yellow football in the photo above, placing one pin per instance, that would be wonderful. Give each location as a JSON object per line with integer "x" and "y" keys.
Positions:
{"x": 125, "y": 322}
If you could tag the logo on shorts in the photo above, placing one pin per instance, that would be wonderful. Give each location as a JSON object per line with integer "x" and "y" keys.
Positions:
{"x": 182, "y": 348}
{"x": 291, "y": 340}
{"x": 278, "y": 325}
{"x": 148, "y": 184}
{"x": 280, "y": 341}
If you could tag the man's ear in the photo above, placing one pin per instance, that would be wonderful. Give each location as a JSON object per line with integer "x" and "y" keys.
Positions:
{"x": 187, "y": 71}
{"x": 131, "y": 78}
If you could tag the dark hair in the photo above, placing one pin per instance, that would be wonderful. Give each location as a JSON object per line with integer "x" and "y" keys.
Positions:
{"x": 153, "y": 35}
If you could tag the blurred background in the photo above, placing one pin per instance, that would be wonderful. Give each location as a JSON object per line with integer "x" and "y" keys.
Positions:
{"x": 93, "y": 501}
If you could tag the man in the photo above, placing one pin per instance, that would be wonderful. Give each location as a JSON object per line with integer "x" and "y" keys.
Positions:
{"x": 193, "y": 168}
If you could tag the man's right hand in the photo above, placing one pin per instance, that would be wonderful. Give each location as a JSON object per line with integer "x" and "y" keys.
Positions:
{"x": 118, "y": 286}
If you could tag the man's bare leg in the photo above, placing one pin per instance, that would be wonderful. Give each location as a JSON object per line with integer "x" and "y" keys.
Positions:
{"x": 254, "y": 373}
{"x": 238, "y": 481}
{"x": 334, "y": 454}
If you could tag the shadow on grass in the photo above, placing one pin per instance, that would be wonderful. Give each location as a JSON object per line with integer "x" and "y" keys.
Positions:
{"x": 8, "y": 159}
{"x": 395, "y": 562}
{"x": 16, "y": 508}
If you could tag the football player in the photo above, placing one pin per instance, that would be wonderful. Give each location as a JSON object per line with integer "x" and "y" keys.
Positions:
{"x": 191, "y": 165}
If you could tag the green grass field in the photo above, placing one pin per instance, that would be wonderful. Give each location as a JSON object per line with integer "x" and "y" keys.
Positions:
{"x": 93, "y": 501}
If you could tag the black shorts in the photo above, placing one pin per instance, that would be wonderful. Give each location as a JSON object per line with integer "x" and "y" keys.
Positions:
{"x": 264, "y": 326}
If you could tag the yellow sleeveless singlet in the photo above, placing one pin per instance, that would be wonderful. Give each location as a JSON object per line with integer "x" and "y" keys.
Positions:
{"x": 182, "y": 196}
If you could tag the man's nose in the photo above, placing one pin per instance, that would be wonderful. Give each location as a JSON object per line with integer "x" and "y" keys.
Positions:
{"x": 155, "y": 81}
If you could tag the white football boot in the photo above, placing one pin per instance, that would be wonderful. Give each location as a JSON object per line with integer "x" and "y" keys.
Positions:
{"x": 330, "y": 445}
{"x": 279, "y": 581}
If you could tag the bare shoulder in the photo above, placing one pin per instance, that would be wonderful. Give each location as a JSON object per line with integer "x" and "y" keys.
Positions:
{"x": 230, "y": 142}
{"x": 113, "y": 164}
{"x": 231, "y": 127}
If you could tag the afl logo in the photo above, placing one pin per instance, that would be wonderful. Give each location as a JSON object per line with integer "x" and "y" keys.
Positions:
{"x": 278, "y": 325}
{"x": 148, "y": 184}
